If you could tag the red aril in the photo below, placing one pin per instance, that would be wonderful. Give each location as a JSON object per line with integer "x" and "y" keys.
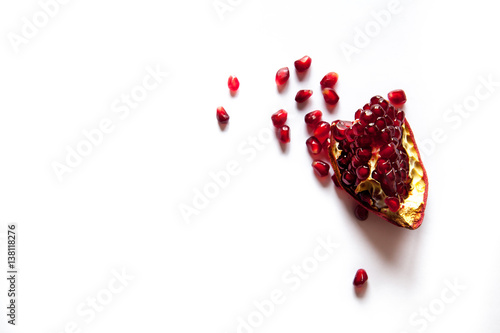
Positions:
{"x": 397, "y": 97}
{"x": 321, "y": 168}
{"x": 322, "y": 131}
{"x": 222, "y": 116}
{"x": 282, "y": 76}
{"x": 313, "y": 117}
{"x": 313, "y": 145}
{"x": 361, "y": 212}
{"x": 303, "y": 95}
{"x": 303, "y": 64}
{"x": 360, "y": 278}
{"x": 279, "y": 118}
{"x": 284, "y": 134}
{"x": 233, "y": 83}
{"x": 330, "y": 96}
{"x": 329, "y": 80}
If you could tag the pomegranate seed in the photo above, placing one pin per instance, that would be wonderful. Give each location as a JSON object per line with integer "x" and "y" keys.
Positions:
{"x": 335, "y": 180}
{"x": 279, "y": 118}
{"x": 339, "y": 130}
{"x": 322, "y": 131}
{"x": 397, "y": 97}
{"x": 348, "y": 177}
{"x": 303, "y": 64}
{"x": 326, "y": 145}
{"x": 233, "y": 83}
{"x": 313, "y": 117}
{"x": 282, "y": 76}
{"x": 313, "y": 145}
{"x": 387, "y": 150}
{"x": 303, "y": 95}
{"x": 361, "y": 213}
{"x": 392, "y": 203}
{"x": 330, "y": 96}
{"x": 362, "y": 172}
{"x": 360, "y": 278}
{"x": 284, "y": 134}
{"x": 222, "y": 116}
{"x": 329, "y": 80}
{"x": 321, "y": 168}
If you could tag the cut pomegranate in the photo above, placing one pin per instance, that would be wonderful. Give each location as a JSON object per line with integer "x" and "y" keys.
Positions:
{"x": 303, "y": 95}
{"x": 279, "y": 118}
{"x": 233, "y": 83}
{"x": 361, "y": 212}
{"x": 282, "y": 76}
{"x": 321, "y": 168}
{"x": 313, "y": 117}
{"x": 360, "y": 278}
{"x": 284, "y": 134}
{"x": 397, "y": 97}
{"x": 376, "y": 160}
{"x": 330, "y": 96}
{"x": 329, "y": 80}
{"x": 313, "y": 145}
{"x": 222, "y": 116}
{"x": 303, "y": 64}
{"x": 322, "y": 131}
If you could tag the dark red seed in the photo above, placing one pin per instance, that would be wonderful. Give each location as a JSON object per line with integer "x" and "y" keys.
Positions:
{"x": 338, "y": 130}
{"x": 303, "y": 64}
{"x": 284, "y": 134}
{"x": 329, "y": 80}
{"x": 313, "y": 145}
{"x": 233, "y": 83}
{"x": 362, "y": 172}
{"x": 397, "y": 97}
{"x": 366, "y": 117}
{"x": 303, "y": 95}
{"x": 358, "y": 113}
{"x": 392, "y": 203}
{"x": 360, "y": 278}
{"x": 364, "y": 154}
{"x": 330, "y": 96}
{"x": 386, "y": 151}
{"x": 400, "y": 115}
{"x": 279, "y": 118}
{"x": 358, "y": 129}
{"x": 361, "y": 213}
{"x": 377, "y": 111}
{"x": 348, "y": 178}
{"x": 322, "y": 131}
{"x": 375, "y": 99}
{"x": 321, "y": 168}
{"x": 335, "y": 180}
{"x": 282, "y": 76}
{"x": 313, "y": 117}
{"x": 326, "y": 145}
{"x": 222, "y": 116}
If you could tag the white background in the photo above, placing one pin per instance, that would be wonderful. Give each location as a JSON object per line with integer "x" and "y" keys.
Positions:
{"x": 119, "y": 209}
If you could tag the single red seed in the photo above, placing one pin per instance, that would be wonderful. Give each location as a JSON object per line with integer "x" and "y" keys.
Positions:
{"x": 397, "y": 97}
{"x": 313, "y": 145}
{"x": 361, "y": 213}
{"x": 362, "y": 172}
{"x": 322, "y": 131}
{"x": 392, "y": 203}
{"x": 303, "y": 95}
{"x": 329, "y": 80}
{"x": 326, "y": 145}
{"x": 284, "y": 134}
{"x": 279, "y": 118}
{"x": 282, "y": 76}
{"x": 222, "y": 116}
{"x": 330, "y": 96}
{"x": 335, "y": 180}
{"x": 303, "y": 64}
{"x": 313, "y": 117}
{"x": 360, "y": 278}
{"x": 233, "y": 83}
{"x": 386, "y": 151}
{"x": 321, "y": 168}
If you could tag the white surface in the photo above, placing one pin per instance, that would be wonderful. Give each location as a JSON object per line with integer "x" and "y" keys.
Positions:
{"x": 120, "y": 207}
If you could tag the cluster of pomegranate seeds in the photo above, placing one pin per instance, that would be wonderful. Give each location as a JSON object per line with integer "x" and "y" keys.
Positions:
{"x": 330, "y": 96}
{"x": 282, "y": 76}
{"x": 397, "y": 97}
{"x": 303, "y": 64}
{"x": 303, "y": 95}
{"x": 284, "y": 134}
{"x": 313, "y": 145}
{"x": 360, "y": 278}
{"x": 279, "y": 118}
{"x": 321, "y": 168}
{"x": 361, "y": 212}
{"x": 233, "y": 83}
{"x": 329, "y": 80}
{"x": 377, "y": 131}
{"x": 313, "y": 118}
{"x": 222, "y": 116}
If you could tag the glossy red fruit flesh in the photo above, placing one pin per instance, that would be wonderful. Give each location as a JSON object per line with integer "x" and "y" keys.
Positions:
{"x": 322, "y": 131}
{"x": 282, "y": 76}
{"x": 329, "y": 80}
{"x": 279, "y": 118}
{"x": 303, "y": 64}
{"x": 321, "y": 168}
{"x": 397, "y": 97}
{"x": 284, "y": 134}
{"x": 361, "y": 212}
{"x": 313, "y": 145}
{"x": 360, "y": 278}
{"x": 313, "y": 117}
{"x": 233, "y": 83}
{"x": 376, "y": 160}
{"x": 303, "y": 95}
{"x": 222, "y": 116}
{"x": 330, "y": 96}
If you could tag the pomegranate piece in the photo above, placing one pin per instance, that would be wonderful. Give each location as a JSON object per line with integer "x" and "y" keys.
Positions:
{"x": 329, "y": 80}
{"x": 361, "y": 212}
{"x": 303, "y": 64}
{"x": 303, "y": 95}
{"x": 233, "y": 83}
{"x": 313, "y": 117}
{"x": 279, "y": 118}
{"x": 284, "y": 134}
{"x": 360, "y": 278}
{"x": 321, "y": 168}
{"x": 376, "y": 160}
{"x": 282, "y": 76}
{"x": 322, "y": 131}
{"x": 397, "y": 97}
{"x": 313, "y": 145}
{"x": 330, "y": 96}
{"x": 222, "y": 116}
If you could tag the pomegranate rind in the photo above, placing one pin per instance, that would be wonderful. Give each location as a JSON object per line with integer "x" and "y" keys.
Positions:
{"x": 412, "y": 210}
